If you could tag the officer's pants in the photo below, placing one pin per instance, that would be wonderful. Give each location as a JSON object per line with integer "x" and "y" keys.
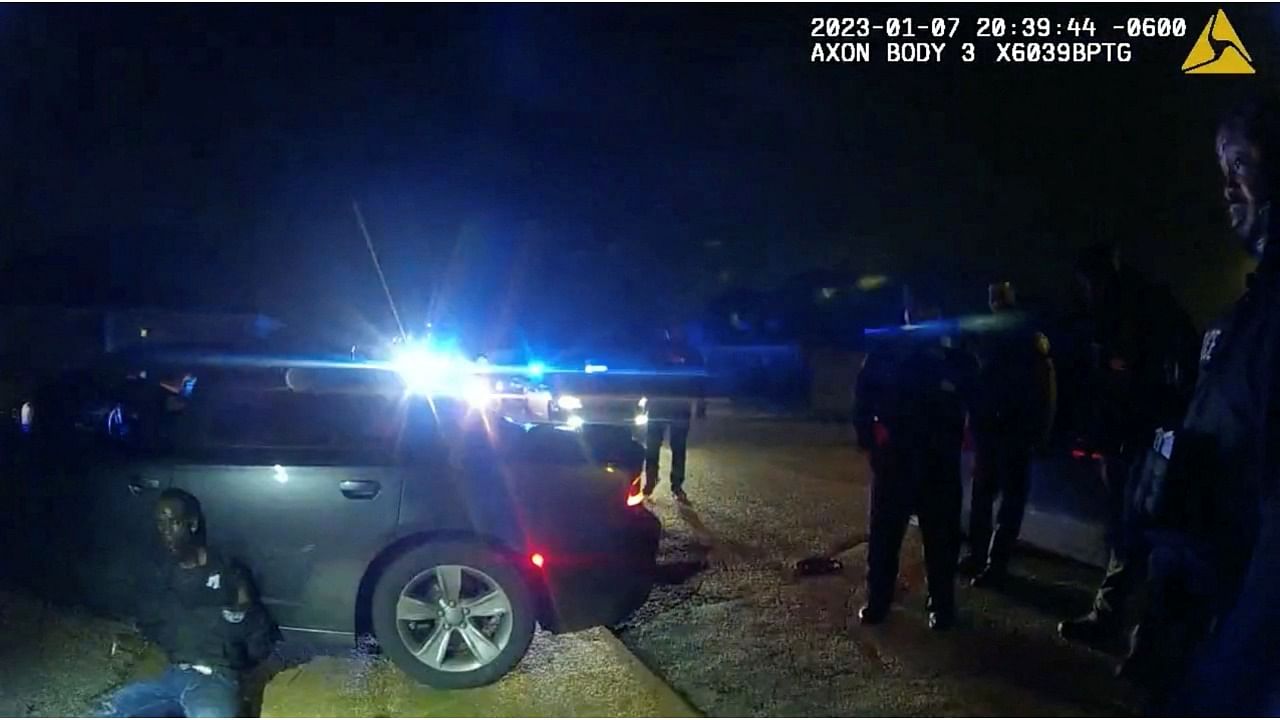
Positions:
{"x": 1178, "y": 614}
{"x": 925, "y": 483}
{"x": 1126, "y": 546}
{"x": 1002, "y": 466}
{"x": 1237, "y": 670}
{"x": 679, "y": 439}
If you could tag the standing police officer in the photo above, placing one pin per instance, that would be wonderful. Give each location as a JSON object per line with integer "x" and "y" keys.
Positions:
{"x": 1143, "y": 369}
{"x": 1014, "y": 414}
{"x": 912, "y": 397}
{"x": 671, "y": 410}
{"x": 1225, "y": 460}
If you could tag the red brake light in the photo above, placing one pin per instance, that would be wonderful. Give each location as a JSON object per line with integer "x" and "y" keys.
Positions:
{"x": 538, "y": 560}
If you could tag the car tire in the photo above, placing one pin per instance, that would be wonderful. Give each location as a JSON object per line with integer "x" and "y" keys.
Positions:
{"x": 412, "y": 587}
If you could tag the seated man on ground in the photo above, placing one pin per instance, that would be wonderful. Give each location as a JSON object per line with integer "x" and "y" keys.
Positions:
{"x": 201, "y": 611}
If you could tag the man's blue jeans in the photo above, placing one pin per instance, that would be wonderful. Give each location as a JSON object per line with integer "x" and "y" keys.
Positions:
{"x": 177, "y": 693}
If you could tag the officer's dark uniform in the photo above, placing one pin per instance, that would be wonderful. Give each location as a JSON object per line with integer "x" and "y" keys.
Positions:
{"x": 670, "y": 412}
{"x": 1219, "y": 498}
{"x": 912, "y": 397}
{"x": 1011, "y": 416}
{"x": 670, "y": 418}
{"x": 1154, "y": 343}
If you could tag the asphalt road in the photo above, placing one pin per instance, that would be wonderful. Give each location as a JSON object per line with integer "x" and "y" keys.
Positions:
{"x": 733, "y": 631}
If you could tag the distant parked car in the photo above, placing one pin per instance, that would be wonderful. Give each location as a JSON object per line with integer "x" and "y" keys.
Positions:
{"x": 445, "y": 532}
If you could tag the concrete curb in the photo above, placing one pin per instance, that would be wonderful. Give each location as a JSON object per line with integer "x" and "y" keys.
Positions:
{"x": 672, "y": 703}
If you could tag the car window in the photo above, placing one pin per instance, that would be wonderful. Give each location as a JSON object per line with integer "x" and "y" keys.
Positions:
{"x": 421, "y": 440}
{"x": 132, "y": 418}
{"x": 284, "y": 419}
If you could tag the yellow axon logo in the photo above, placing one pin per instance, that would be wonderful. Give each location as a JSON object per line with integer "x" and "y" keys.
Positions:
{"x": 1218, "y": 51}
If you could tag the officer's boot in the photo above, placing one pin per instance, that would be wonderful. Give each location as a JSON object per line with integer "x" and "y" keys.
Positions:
{"x": 971, "y": 564}
{"x": 1104, "y": 621}
{"x": 1150, "y": 657}
{"x": 679, "y": 449}
{"x": 1091, "y": 628}
{"x": 873, "y": 614}
{"x": 991, "y": 576}
{"x": 996, "y": 570}
{"x": 942, "y": 613}
{"x": 881, "y": 581}
{"x": 879, "y": 596}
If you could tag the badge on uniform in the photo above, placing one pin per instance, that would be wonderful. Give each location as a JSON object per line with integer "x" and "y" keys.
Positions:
{"x": 214, "y": 582}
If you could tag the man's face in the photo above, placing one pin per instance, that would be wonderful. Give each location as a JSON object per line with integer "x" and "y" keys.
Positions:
{"x": 177, "y": 531}
{"x": 1246, "y": 188}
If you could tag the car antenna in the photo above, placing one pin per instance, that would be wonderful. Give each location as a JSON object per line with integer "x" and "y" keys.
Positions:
{"x": 368, "y": 241}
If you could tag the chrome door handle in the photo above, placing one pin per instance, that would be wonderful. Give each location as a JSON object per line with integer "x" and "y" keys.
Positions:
{"x": 360, "y": 489}
{"x": 138, "y": 484}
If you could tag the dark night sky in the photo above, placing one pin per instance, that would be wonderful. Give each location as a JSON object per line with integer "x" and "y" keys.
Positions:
{"x": 569, "y": 162}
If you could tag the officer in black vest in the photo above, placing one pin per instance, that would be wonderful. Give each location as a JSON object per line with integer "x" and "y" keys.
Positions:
{"x": 1144, "y": 367}
{"x": 912, "y": 397}
{"x": 1220, "y": 491}
{"x": 1016, "y": 403}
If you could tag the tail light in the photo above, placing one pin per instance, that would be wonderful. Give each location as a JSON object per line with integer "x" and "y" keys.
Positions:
{"x": 635, "y": 492}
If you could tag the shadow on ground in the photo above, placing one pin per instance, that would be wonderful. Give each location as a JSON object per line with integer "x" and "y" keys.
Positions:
{"x": 675, "y": 573}
{"x": 1052, "y": 598}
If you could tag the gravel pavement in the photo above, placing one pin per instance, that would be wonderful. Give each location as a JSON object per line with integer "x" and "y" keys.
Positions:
{"x": 59, "y": 661}
{"x": 737, "y": 634}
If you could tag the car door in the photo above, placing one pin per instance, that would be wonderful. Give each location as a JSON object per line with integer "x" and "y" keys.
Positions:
{"x": 301, "y": 489}
{"x": 122, "y": 543}
{"x": 116, "y": 473}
